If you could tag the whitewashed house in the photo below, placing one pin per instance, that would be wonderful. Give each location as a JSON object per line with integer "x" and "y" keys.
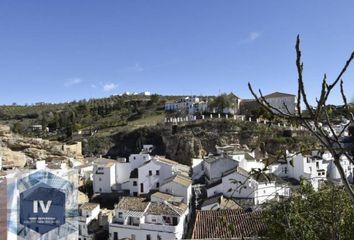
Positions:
{"x": 178, "y": 185}
{"x": 88, "y": 221}
{"x": 109, "y": 175}
{"x": 151, "y": 174}
{"x": 347, "y": 166}
{"x": 297, "y": 166}
{"x": 188, "y": 105}
{"x": 104, "y": 175}
{"x": 237, "y": 183}
{"x": 282, "y": 101}
{"x": 216, "y": 165}
{"x": 137, "y": 218}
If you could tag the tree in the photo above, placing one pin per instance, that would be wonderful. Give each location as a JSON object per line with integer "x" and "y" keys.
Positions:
{"x": 220, "y": 102}
{"x": 313, "y": 116}
{"x": 308, "y": 214}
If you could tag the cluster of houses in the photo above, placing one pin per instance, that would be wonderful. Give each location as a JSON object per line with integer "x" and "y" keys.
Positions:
{"x": 192, "y": 105}
{"x": 157, "y": 198}
{"x": 160, "y": 196}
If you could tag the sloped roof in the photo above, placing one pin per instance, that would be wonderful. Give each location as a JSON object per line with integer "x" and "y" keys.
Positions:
{"x": 136, "y": 204}
{"x": 89, "y": 206}
{"x": 278, "y": 94}
{"x": 162, "y": 208}
{"x": 179, "y": 179}
{"x": 223, "y": 224}
{"x": 224, "y": 203}
{"x": 239, "y": 170}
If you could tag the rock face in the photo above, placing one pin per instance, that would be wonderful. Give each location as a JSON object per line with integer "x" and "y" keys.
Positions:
{"x": 184, "y": 142}
{"x": 17, "y": 151}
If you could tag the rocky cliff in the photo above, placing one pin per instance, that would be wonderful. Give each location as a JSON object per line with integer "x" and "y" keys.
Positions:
{"x": 18, "y": 151}
{"x": 184, "y": 142}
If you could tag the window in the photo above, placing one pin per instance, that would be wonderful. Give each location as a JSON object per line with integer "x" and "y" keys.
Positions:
{"x": 100, "y": 189}
{"x": 150, "y": 173}
{"x": 141, "y": 187}
{"x": 174, "y": 221}
{"x": 135, "y": 183}
{"x": 157, "y": 185}
{"x": 148, "y": 237}
{"x": 317, "y": 164}
{"x": 135, "y": 194}
{"x": 134, "y": 158}
{"x": 115, "y": 236}
{"x": 120, "y": 215}
{"x": 157, "y": 172}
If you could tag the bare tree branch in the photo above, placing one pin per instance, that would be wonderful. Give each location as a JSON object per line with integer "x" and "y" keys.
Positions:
{"x": 312, "y": 121}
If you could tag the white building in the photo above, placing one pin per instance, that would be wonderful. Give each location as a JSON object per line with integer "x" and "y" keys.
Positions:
{"x": 104, "y": 175}
{"x": 297, "y": 166}
{"x": 151, "y": 174}
{"x": 139, "y": 219}
{"x": 178, "y": 185}
{"x": 282, "y": 101}
{"x": 347, "y": 166}
{"x": 188, "y": 105}
{"x": 238, "y": 184}
{"x": 110, "y": 175}
{"x": 215, "y": 166}
{"x": 88, "y": 221}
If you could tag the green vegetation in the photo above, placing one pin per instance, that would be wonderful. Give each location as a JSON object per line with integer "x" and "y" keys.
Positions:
{"x": 308, "y": 214}
{"x": 96, "y": 116}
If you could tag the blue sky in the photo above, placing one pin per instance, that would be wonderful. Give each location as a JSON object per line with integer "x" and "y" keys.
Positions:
{"x": 55, "y": 51}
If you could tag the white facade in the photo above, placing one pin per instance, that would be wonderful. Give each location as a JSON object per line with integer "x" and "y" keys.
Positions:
{"x": 297, "y": 166}
{"x": 89, "y": 213}
{"x": 136, "y": 160}
{"x": 178, "y": 186}
{"x": 197, "y": 168}
{"x": 189, "y": 105}
{"x": 215, "y": 166}
{"x": 104, "y": 176}
{"x": 238, "y": 184}
{"x": 151, "y": 176}
{"x": 347, "y": 166}
{"x": 278, "y": 100}
{"x": 149, "y": 220}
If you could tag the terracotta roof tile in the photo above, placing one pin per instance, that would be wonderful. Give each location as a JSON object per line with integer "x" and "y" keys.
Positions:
{"x": 224, "y": 224}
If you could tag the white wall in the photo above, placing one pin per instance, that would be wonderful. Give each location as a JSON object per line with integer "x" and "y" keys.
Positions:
{"x": 149, "y": 182}
{"x": 104, "y": 178}
{"x": 122, "y": 172}
{"x": 178, "y": 190}
{"x": 215, "y": 169}
{"x": 136, "y": 160}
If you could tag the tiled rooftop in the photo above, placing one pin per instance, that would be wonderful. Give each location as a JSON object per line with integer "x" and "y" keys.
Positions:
{"x": 88, "y": 206}
{"x": 182, "y": 180}
{"x": 225, "y": 224}
{"x": 137, "y": 204}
